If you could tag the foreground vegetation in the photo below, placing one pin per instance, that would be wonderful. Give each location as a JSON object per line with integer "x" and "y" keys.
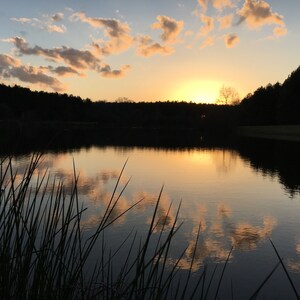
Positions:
{"x": 46, "y": 254}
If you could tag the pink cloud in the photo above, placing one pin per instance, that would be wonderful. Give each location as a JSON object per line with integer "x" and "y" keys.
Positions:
{"x": 221, "y": 4}
{"x": 170, "y": 27}
{"x": 225, "y": 21}
{"x": 147, "y": 47}
{"x": 118, "y": 33}
{"x": 258, "y": 13}
{"x": 209, "y": 41}
{"x": 208, "y": 25}
{"x": 12, "y": 68}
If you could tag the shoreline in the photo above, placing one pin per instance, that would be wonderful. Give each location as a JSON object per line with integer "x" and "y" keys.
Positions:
{"x": 272, "y": 132}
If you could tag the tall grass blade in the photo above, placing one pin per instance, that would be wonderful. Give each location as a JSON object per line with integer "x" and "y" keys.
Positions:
{"x": 254, "y": 295}
{"x": 223, "y": 271}
{"x": 285, "y": 270}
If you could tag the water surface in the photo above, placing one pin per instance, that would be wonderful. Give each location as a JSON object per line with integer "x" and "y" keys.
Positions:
{"x": 241, "y": 196}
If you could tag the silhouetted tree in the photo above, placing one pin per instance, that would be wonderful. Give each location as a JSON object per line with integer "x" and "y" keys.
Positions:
{"x": 228, "y": 96}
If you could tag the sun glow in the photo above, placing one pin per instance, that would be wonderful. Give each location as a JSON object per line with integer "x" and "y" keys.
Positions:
{"x": 199, "y": 91}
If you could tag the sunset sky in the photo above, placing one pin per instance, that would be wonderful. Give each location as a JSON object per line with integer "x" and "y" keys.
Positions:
{"x": 148, "y": 50}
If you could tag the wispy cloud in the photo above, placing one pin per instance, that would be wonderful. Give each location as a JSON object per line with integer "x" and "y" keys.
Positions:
{"x": 203, "y": 4}
{"x": 117, "y": 32}
{"x": 279, "y": 31}
{"x": 209, "y": 41}
{"x": 221, "y": 4}
{"x": 171, "y": 28}
{"x": 208, "y": 25}
{"x": 217, "y": 4}
{"x": 46, "y": 23}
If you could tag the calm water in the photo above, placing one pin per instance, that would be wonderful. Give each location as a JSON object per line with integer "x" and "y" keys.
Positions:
{"x": 242, "y": 197}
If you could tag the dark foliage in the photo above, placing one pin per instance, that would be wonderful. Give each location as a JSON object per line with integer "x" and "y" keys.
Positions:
{"x": 271, "y": 105}
{"x": 274, "y": 104}
{"x": 21, "y": 104}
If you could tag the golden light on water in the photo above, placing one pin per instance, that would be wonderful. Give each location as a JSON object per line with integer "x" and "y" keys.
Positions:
{"x": 199, "y": 91}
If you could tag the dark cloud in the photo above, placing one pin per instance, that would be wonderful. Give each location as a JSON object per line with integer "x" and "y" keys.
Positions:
{"x": 12, "y": 68}
{"x": 231, "y": 40}
{"x": 74, "y": 59}
{"x": 106, "y": 71}
{"x": 57, "y": 17}
{"x": 64, "y": 71}
{"x": 79, "y": 59}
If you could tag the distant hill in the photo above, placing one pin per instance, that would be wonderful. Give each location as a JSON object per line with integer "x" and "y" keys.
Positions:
{"x": 277, "y": 104}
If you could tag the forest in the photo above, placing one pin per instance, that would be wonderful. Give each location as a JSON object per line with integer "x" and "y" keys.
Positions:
{"x": 274, "y": 104}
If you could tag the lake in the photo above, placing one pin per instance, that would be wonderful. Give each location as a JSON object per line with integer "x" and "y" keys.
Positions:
{"x": 242, "y": 194}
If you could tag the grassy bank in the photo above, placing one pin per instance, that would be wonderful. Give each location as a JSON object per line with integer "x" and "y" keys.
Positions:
{"x": 278, "y": 132}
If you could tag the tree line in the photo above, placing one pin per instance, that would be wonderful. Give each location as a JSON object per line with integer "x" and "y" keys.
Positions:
{"x": 270, "y": 105}
{"x": 274, "y": 104}
{"x": 22, "y": 104}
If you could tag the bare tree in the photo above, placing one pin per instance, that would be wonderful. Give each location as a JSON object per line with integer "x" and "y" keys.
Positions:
{"x": 228, "y": 96}
{"x": 123, "y": 100}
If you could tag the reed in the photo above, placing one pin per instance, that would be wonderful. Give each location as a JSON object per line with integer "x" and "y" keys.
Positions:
{"x": 45, "y": 254}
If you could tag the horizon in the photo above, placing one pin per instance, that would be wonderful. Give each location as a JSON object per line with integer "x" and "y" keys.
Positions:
{"x": 175, "y": 51}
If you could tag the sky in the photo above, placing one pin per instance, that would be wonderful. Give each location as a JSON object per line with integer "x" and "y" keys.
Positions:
{"x": 148, "y": 50}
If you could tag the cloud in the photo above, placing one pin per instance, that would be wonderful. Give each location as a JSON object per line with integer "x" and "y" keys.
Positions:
{"x": 189, "y": 33}
{"x": 55, "y": 28}
{"x": 208, "y": 25}
{"x": 246, "y": 236}
{"x": 203, "y": 4}
{"x": 22, "y": 20}
{"x": 118, "y": 33}
{"x": 170, "y": 27}
{"x": 217, "y": 4}
{"x": 12, "y": 68}
{"x": 147, "y": 47}
{"x": 209, "y": 41}
{"x": 258, "y": 13}
{"x": 57, "y": 17}
{"x": 46, "y": 24}
{"x": 8, "y": 61}
{"x": 221, "y": 4}
{"x": 225, "y": 21}
{"x": 231, "y": 40}
{"x": 106, "y": 71}
{"x": 74, "y": 59}
{"x": 63, "y": 71}
{"x": 79, "y": 59}
{"x": 279, "y": 31}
